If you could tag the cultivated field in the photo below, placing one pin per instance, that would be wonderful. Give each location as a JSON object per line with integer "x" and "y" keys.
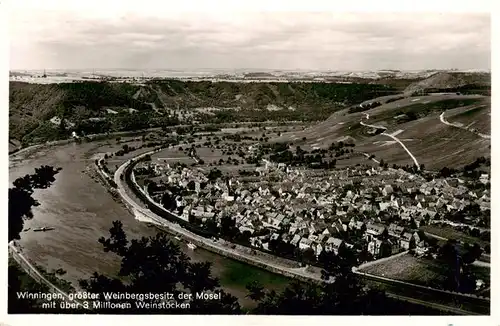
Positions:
{"x": 450, "y": 232}
{"x": 432, "y": 142}
{"x": 410, "y": 269}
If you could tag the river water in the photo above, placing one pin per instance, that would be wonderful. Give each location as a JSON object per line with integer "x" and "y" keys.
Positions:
{"x": 81, "y": 211}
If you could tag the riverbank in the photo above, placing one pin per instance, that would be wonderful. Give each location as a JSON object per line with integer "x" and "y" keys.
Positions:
{"x": 82, "y": 210}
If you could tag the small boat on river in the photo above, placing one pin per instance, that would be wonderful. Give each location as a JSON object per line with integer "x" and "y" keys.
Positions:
{"x": 43, "y": 229}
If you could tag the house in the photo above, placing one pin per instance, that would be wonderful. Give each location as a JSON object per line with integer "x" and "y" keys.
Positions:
{"x": 421, "y": 248}
{"x": 404, "y": 240}
{"x": 354, "y": 224}
{"x": 246, "y": 228}
{"x": 305, "y": 244}
{"x": 374, "y": 247}
{"x": 286, "y": 238}
{"x": 319, "y": 249}
{"x": 387, "y": 190}
{"x": 331, "y": 230}
{"x": 322, "y": 238}
{"x": 275, "y": 223}
{"x": 313, "y": 238}
{"x": 275, "y": 236}
{"x": 375, "y": 229}
{"x": 295, "y": 240}
{"x": 416, "y": 237}
{"x": 484, "y": 178}
{"x": 334, "y": 244}
{"x": 383, "y": 205}
{"x": 395, "y": 230}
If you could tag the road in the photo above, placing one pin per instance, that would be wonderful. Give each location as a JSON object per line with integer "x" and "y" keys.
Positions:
{"x": 443, "y": 120}
{"x": 31, "y": 270}
{"x": 373, "y": 159}
{"x": 394, "y": 138}
{"x": 443, "y": 301}
{"x": 404, "y": 147}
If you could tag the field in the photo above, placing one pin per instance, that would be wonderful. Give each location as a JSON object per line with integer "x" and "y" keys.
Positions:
{"x": 449, "y": 232}
{"x": 432, "y": 142}
{"x": 477, "y": 117}
{"x": 410, "y": 269}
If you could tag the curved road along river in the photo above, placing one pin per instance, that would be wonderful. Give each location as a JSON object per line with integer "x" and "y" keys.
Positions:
{"x": 192, "y": 236}
{"x": 81, "y": 211}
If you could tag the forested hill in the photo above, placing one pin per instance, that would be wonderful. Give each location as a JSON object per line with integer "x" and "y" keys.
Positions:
{"x": 92, "y": 107}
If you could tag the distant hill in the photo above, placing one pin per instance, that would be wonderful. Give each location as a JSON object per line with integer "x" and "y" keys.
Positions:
{"x": 93, "y": 107}
{"x": 463, "y": 82}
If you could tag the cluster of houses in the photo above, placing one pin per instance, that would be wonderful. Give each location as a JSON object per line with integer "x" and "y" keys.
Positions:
{"x": 312, "y": 209}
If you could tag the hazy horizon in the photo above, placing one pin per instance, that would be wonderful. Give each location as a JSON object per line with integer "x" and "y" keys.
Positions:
{"x": 244, "y": 69}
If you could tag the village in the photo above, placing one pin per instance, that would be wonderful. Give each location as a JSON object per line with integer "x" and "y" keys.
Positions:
{"x": 300, "y": 213}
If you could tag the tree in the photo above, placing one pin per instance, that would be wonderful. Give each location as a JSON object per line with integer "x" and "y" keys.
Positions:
{"x": 472, "y": 254}
{"x": 228, "y": 227}
{"x": 157, "y": 265}
{"x": 19, "y": 282}
{"x": 385, "y": 234}
{"x": 413, "y": 243}
{"x": 342, "y": 296}
{"x": 21, "y": 201}
{"x": 385, "y": 249}
{"x": 308, "y": 256}
{"x": 168, "y": 201}
{"x": 214, "y": 174}
{"x": 448, "y": 255}
{"x": 256, "y": 291}
{"x": 191, "y": 185}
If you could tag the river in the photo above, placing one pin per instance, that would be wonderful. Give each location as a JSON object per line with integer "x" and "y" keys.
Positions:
{"x": 81, "y": 211}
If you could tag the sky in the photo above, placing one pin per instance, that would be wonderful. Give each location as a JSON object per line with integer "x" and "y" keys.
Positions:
{"x": 146, "y": 35}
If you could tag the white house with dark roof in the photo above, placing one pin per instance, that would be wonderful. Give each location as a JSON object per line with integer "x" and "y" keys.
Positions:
{"x": 319, "y": 249}
{"x": 374, "y": 247}
{"x": 395, "y": 230}
{"x": 404, "y": 240}
{"x": 296, "y": 239}
{"x": 305, "y": 244}
{"x": 333, "y": 244}
{"x": 375, "y": 229}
